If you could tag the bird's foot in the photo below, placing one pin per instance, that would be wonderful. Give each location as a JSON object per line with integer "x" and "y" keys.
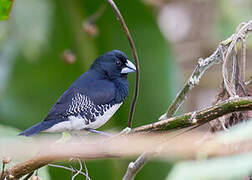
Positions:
{"x": 163, "y": 117}
{"x": 125, "y": 131}
{"x": 66, "y": 136}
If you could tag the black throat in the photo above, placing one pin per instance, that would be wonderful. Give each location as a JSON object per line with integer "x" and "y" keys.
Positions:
{"x": 122, "y": 88}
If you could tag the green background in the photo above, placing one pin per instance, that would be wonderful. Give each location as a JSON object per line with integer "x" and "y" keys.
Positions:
{"x": 37, "y": 75}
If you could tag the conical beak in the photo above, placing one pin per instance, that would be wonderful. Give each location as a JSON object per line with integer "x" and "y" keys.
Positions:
{"x": 130, "y": 67}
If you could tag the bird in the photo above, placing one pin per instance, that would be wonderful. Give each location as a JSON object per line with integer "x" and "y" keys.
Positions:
{"x": 92, "y": 99}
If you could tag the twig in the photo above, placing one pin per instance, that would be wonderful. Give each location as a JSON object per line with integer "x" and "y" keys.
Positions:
{"x": 62, "y": 167}
{"x": 132, "y": 45}
{"x": 241, "y": 32}
{"x": 69, "y": 169}
{"x": 79, "y": 171}
{"x": 28, "y": 176}
{"x": 86, "y": 170}
{"x": 3, "y": 169}
{"x": 5, "y": 161}
{"x": 135, "y": 167}
{"x": 249, "y": 81}
{"x": 243, "y": 54}
{"x": 202, "y": 66}
{"x": 235, "y": 67}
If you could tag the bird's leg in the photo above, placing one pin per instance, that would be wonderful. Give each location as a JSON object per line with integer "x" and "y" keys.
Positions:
{"x": 66, "y": 136}
{"x": 98, "y": 132}
{"x": 124, "y": 131}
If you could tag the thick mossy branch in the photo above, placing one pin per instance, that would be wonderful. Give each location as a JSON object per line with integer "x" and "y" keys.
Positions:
{"x": 199, "y": 117}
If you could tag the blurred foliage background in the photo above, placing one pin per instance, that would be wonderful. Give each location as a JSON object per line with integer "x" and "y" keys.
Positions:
{"x": 46, "y": 45}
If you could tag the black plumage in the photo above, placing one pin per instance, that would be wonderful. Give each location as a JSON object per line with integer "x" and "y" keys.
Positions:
{"x": 92, "y": 99}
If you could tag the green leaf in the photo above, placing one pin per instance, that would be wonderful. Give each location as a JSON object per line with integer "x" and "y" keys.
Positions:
{"x": 5, "y": 8}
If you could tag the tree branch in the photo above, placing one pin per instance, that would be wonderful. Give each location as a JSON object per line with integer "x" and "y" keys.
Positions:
{"x": 221, "y": 53}
{"x": 202, "y": 66}
{"x": 118, "y": 147}
{"x": 199, "y": 117}
{"x": 135, "y": 167}
{"x": 21, "y": 169}
{"x": 186, "y": 120}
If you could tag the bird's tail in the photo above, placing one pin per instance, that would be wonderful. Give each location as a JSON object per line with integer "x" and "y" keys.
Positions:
{"x": 37, "y": 128}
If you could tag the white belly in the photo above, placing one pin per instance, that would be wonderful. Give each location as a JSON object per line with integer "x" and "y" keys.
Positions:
{"x": 100, "y": 120}
{"x": 76, "y": 123}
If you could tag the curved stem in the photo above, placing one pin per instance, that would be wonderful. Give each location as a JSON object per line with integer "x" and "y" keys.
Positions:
{"x": 133, "y": 48}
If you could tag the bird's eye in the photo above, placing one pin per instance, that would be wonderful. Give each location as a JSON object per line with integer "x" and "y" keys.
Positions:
{"x": 118, "y": 63}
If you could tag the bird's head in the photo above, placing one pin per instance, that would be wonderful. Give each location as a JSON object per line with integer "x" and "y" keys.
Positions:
{"x": 113, "y": 64}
